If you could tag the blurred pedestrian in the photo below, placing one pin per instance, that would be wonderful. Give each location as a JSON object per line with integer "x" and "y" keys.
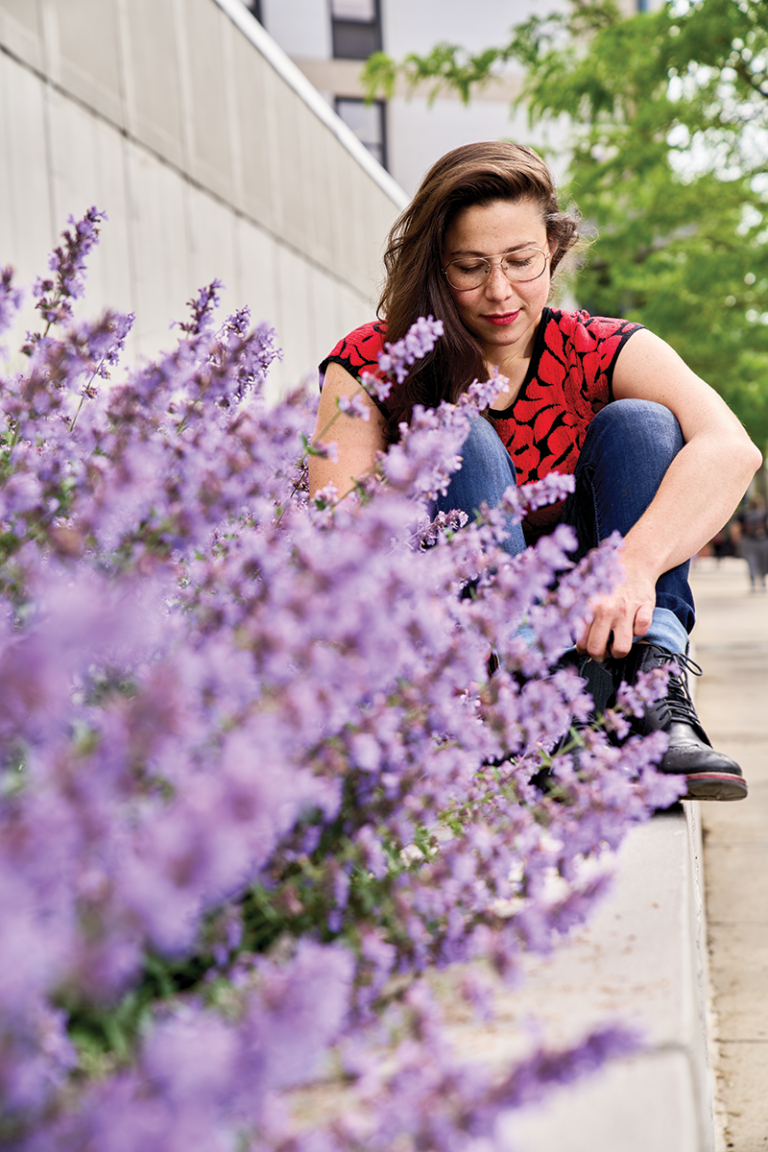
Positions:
{"x": 722, "y": 543}
{"x": 753, "y": 543}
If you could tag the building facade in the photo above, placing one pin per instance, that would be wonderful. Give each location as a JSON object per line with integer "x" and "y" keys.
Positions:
{"x": 330, "y": 39}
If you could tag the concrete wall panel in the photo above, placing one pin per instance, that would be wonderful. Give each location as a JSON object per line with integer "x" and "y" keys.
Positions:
{"x": 162, "y": 269}
{"x": 212, "y": 240}
{"x": 26, "y": 235}
{"x": 98, "y": 179}
{"x": 253, "y": 81}
{"x": 354, "y": 312}
{"x": 75, "y": 182}
{"x": 255, "y": 271}
{"x": 321, "y": 197}
{"x": 328, "y": 317}
{"x": 371, "y": 226}
{"x": 108, "y": 283}
{"x": 211, "y": 155}
{"x": 296, "y": 317}
{"x": 290, "y": 161}
{"x": 26, "y": 232}
{"x": 256, "y": 257}
{"x": 153, "y": 87}
{"x": 230, "y": 37}
{"x": 20, "y": 31}
{"x": 352, "y": 228}
{"x": 84, "y": 53}
{"x": 200, "y": 30}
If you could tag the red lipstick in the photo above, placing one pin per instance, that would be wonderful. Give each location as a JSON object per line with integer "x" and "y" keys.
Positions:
{"x": 502, "y": 320}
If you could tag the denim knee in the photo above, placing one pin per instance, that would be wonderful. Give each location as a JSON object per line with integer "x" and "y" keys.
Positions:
{"x": 483, "y": 444}
{"x": 628, "y": 448}
{"x": 485, "y": 474}
{"x": 642, "y": 429}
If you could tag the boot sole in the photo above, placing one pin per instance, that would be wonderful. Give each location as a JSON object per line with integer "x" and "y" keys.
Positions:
{"x": 714, "y": 786}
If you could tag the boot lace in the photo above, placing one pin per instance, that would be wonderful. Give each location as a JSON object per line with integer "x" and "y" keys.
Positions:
{"x": 679, "y": 699}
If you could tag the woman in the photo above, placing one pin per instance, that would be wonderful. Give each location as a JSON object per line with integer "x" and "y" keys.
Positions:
{"x": 656, "y": 453}
{"x": 752, "y": 527}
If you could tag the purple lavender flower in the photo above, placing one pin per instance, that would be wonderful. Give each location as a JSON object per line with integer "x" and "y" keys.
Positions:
{"x": 231, "y": 721}
{"x": 10, "y": 298}
{"x": 419, "y": 340}
{"x": 107, "y": 342}
{"x": 252, "y": 351}
{"x": 530, "y": 1081}
{"x": 68, "y": 264}
{"x": 648, "y": 688}
{"x": 354, "y": 406}
{"x": 375, "y": 385}
{"x": 202, "y": 308}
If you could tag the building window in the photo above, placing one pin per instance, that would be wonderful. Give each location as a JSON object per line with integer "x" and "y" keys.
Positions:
{"x": 356, "y": 28}
{"x": 254, "y": 7}
{"x": 368, "y": 122}
{"x": 642, "y": 5}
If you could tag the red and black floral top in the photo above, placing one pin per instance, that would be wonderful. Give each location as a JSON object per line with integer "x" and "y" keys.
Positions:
{"x": 569, "y": 380}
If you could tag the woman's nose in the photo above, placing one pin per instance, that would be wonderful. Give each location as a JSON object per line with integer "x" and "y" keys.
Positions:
{"x": 497, "y": 284}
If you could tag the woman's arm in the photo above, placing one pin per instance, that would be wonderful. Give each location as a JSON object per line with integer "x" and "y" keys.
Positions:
{"x": 357, "y": 440}
{"x": 699, "y": 492}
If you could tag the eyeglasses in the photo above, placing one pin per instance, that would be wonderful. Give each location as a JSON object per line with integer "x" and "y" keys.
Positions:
{"x": 470, "y": 272}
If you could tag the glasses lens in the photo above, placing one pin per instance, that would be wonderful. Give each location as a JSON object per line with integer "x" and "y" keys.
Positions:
{"x": 526, "y": 265}
{"x": 519, "y": 267}
{"x": 466, "y": 274}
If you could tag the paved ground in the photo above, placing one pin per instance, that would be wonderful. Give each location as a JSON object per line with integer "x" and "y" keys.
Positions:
{"x": 731, "y": 641}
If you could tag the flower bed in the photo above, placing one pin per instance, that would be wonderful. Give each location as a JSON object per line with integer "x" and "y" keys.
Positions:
{"x": 258, "y": 783}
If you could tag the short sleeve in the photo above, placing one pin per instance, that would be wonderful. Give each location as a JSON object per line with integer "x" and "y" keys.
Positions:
{"x": 359, "y": 351}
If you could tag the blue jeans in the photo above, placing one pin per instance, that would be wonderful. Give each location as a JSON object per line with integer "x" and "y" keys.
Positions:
{"x": 628, "y": 447}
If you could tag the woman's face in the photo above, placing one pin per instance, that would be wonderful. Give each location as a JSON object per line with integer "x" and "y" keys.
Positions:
{"x": 502, "y": 315}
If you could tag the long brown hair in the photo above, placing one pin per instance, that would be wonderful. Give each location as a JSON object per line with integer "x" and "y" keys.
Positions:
{"x": 415, "y": 286}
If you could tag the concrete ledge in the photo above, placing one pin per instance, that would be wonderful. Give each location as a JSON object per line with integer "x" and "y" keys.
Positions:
{"x": 641, "y": 960}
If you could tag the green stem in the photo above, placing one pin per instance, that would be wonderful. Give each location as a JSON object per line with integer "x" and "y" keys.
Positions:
{"x": 319, "y": 438}
{"x": 82, "y": 397}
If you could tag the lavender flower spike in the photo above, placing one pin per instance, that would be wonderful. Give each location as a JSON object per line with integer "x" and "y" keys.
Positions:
{"x": 420, "y": 339}
{"x": 202, "y": 308}
{"x": 354, "y": 406}
{"x": 67, "y": 262}
{"x": 236, "y": 721}
{"x": 10, "y": 298}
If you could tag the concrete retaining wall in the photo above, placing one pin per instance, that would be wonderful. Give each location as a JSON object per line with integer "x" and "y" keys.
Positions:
{"x": 640, "y": 960}
{"x": 212, "y": 156}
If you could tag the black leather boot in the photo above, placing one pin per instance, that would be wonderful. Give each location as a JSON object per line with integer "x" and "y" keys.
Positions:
{"x": 710, "y": 774}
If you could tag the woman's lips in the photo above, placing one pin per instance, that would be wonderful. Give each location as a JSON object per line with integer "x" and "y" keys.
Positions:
{"x": 502, "y": 320}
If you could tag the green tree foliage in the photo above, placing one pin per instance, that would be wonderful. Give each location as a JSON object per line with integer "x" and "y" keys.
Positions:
{"x": 668, "y": 158}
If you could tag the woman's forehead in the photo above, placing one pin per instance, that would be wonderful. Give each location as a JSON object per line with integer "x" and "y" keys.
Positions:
{"x": 500, "y": 226}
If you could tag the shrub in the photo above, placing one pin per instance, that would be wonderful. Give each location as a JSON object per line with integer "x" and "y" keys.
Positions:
{"x": 257, "y": 781}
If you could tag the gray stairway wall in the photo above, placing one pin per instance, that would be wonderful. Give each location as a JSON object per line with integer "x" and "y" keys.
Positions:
{"x": 212, "y": 155}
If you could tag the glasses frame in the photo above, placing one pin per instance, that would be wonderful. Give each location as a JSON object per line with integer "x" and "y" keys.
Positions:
{"x": 498, "y": 264}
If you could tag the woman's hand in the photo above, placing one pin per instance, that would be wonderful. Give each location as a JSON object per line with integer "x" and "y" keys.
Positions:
{"x": 625, "y": 613}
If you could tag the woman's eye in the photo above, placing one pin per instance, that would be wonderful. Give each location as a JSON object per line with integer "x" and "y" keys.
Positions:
{"x": 519, "y": 261}
{"x": 476, "y": 266}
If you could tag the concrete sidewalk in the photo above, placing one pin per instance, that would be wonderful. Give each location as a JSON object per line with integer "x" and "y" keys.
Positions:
{"x": 731, "y": 644}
